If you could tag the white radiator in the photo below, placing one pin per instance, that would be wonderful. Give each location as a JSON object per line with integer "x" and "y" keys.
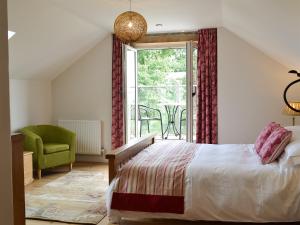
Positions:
{"x": 88, "y": 133}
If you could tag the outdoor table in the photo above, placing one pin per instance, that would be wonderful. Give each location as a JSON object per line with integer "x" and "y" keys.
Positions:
{"x": 171, "y": 109}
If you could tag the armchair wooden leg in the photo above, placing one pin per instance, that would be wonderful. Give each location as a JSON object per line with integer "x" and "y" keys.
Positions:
{"x": 39, "y": 174}
{"x": 71, "y": 166}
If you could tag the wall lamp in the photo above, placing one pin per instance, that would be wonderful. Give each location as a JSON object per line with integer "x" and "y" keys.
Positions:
{"x": 286, "y": 89}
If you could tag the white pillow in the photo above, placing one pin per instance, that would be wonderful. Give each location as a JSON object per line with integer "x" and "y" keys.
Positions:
{"x": 291, "y": 155}
{"x": 296, "y": 132}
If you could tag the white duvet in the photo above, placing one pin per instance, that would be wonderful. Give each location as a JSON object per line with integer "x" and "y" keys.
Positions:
{"x": 229, "y": 183}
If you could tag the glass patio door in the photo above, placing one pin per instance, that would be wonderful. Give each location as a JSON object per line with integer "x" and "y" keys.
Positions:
{"x": 130, "y": 92}
{"x": 192, "y": 101}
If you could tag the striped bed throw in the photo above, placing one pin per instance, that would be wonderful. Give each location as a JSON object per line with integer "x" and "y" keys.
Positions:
{"x": 154, "y": 180}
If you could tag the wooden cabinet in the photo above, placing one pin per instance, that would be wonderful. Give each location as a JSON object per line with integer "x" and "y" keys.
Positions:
{"x": 28, "y": 173}
{"x": 18, "y": 179}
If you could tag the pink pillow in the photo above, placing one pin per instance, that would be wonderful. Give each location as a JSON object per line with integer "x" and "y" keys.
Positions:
{"x": 275, "y": 145}
{"x": 264, "y": 134}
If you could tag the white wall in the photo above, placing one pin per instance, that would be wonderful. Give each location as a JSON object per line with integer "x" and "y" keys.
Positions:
{"x": 30, "y": 103}
{"x": 250, "y": 89}
{"x": 6, "y": 209}
{"x": 83, "y": 91}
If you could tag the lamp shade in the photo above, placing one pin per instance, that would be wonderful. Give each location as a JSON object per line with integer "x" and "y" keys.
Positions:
{"x": 130, "y": 26}
{"x": 288, "y": 111}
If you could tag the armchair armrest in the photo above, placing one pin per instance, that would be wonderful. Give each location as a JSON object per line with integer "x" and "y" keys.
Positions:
{"x": 33, "y": 143}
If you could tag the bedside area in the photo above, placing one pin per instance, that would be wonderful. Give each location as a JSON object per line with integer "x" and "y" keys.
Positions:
{"x": 28, "y": 169}
{"x": 18, "y": 178}
{"x": 22, "y": 175}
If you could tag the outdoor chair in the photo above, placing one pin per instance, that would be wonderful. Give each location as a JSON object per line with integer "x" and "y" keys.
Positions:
{"x": 147, "y": 114}
{"x": 181, "y": 119}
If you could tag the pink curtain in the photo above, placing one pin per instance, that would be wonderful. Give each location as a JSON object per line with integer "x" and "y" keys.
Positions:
{"x": 117, "y": 127}
{"x": 207, "y": 124}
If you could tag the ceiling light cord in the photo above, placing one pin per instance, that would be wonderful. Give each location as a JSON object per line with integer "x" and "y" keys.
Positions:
{"x": 130, "y": 5}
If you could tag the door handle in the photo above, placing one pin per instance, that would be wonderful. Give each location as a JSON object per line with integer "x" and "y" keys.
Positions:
{"x": 194, "y": 91}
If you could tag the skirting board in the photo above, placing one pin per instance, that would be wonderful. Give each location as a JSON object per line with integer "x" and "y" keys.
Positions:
{"x": 91, "y": 158}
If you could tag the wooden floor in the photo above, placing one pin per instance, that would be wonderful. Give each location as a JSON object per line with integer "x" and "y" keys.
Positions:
{"x": 50, "y": 175}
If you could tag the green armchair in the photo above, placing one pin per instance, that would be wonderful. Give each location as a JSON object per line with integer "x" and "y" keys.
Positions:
{"x": 51, "y": 146}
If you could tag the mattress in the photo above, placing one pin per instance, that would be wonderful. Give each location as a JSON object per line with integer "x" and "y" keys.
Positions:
{"x": 229, "y": 183}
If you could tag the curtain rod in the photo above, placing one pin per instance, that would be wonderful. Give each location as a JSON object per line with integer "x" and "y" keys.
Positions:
{"x": 169, "y": 37}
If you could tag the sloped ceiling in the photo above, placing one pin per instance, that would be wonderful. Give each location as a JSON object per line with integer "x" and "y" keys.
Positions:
{"x": 52, "y": 34}
{"x": 270, "y": 25}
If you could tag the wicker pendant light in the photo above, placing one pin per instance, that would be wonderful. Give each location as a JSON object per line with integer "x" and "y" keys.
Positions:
{"x": 130, "y": 26}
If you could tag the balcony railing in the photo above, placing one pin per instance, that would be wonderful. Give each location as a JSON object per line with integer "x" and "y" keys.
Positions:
{"x": 158, "y": 94}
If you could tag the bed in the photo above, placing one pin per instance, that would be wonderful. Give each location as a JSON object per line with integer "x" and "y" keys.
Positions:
{"x": 210, "y": 182}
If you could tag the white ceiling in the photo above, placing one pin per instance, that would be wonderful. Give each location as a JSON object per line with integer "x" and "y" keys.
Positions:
{"x": 52, "y": 34}
{"x": 270, "y": 25}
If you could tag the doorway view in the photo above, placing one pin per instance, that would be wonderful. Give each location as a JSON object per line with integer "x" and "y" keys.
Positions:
{"x": 160, "y": 85}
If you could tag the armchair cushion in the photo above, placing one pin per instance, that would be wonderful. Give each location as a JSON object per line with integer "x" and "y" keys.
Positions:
{"x": 50, "y": 148}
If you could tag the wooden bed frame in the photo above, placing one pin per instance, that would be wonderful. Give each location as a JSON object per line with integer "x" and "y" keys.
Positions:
{"x": 121, "y": 155}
